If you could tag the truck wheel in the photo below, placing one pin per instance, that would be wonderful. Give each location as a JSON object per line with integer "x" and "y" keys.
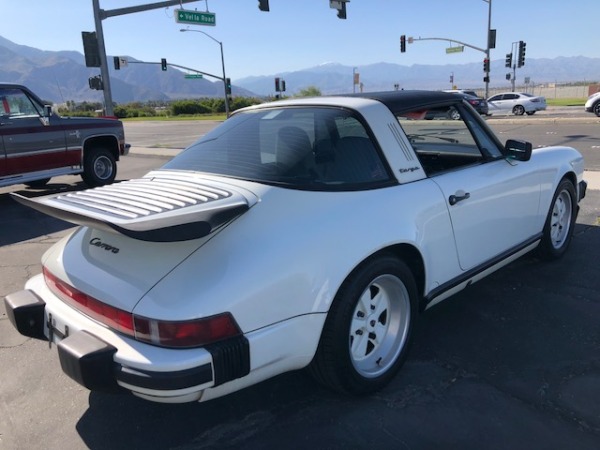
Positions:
{"x": 99, "y": 167}
{"x": 369, "y": 327}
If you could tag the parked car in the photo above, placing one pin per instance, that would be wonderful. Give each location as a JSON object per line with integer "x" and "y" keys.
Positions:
{"x": 593, "y": 104}
{"x": 301, "y": 233}
{"x": 37, "y": 144}
{"x": 517, "y": 103}
{"x": 480, "y": 104}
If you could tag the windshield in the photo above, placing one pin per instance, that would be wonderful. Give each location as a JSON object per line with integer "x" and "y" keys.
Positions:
{"x": 300, "y": 147}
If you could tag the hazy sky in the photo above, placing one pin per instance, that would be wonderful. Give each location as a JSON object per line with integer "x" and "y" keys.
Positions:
{"x": 298, "y": 34}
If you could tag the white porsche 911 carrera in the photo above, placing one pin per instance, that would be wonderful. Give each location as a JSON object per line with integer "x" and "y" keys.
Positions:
{"x": 302, "y": 233}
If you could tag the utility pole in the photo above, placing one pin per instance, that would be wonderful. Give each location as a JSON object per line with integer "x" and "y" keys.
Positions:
{"x": 490, "y": 43}
{"x": 99, "y": 16}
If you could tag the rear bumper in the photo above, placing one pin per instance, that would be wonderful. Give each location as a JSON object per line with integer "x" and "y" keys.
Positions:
{"x": 92, "y": 362}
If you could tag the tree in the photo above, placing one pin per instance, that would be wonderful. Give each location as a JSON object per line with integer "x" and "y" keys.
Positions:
{"x": 311, "y": 91}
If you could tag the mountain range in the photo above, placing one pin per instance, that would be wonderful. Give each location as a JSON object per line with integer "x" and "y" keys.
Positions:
{"x": 59, "y": 76}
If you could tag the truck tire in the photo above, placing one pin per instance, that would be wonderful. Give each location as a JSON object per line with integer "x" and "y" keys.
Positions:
{"x": 99, "y": 167}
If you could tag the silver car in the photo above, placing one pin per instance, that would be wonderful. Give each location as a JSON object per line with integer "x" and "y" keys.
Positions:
{"x": 517, "y": 103}
{"x": 593, "y": 104}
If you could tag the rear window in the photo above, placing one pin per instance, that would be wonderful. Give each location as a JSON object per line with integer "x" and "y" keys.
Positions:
{"x": 299, "y": 147}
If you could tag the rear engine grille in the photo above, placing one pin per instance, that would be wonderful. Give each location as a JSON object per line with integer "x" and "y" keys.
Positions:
{"x": 143, "y": 197}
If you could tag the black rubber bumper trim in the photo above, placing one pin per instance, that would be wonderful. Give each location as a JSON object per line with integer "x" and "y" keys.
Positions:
{"x": 89, "y": 360}
{"x": 165, "y": 381}
{"x": 25, "y": 310}
{"x": 231, "y": 358}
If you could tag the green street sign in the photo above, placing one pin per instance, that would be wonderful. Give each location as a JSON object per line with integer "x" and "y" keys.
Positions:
{"x": 458, "y": 49}
{"x": 195, "y": 17}
{"x": 193, "y": 76}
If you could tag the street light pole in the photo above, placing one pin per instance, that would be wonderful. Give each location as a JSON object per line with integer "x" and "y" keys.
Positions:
{"x": 222, "y": 66}
{"x": 487, "y": 48}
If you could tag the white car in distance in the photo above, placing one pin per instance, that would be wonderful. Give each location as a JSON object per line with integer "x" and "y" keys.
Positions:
{"x": 517, "y": 103}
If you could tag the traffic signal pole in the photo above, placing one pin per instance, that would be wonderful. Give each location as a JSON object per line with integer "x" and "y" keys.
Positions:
{"x": 99, "y": 16}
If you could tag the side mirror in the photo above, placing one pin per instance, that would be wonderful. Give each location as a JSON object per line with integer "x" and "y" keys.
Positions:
{"x": 518, "y": 150}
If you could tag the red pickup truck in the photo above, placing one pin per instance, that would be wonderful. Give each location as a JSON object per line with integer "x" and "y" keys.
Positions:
{"x": 37, "y": 144}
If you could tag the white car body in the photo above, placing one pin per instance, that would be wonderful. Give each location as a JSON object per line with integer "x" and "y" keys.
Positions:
{"x": 593, "y": 104}
{"x": 517, "y": 103}
{"x": 280, "y": 264}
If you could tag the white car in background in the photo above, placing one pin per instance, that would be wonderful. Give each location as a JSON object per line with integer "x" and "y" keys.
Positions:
{"x": 593, "y": 104}
{"x": 517, "y": 103}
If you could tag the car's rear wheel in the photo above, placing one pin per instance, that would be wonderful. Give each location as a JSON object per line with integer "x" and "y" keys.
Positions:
{"x": 518, "y": 110}
{"x": 596, "y": 109}
{"x": 453, "y": 114}
{"x": 560, "y": 222}
{"x": 530, "y": 113}
{"x": 369, "y": 327}
{"x": 99, "y": 167}
{"x": 38, "y": 183}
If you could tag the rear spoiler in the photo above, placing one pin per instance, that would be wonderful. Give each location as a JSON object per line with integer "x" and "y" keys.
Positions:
{"x": 157, "y": 208}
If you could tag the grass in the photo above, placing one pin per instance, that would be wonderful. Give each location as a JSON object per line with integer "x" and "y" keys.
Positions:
{"x": 566, "y": 101}
{"x": 176, "y": 118}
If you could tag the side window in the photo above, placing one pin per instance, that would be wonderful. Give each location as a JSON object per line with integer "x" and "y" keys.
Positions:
{"x": 441, "y": 138}
{"x": 15, "y": 104}
{"x": 495, "y": 98}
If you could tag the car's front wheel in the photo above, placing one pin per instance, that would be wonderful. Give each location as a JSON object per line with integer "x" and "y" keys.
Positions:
{"x": 560, "y": 222}
{"x": 369, "y": 327}
{"x": 596, "y": 109}
{"x": 99, "y": 167}
{"x": 518, "y": 110}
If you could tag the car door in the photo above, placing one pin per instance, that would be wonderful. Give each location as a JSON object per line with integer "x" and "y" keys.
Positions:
{"x": 492, "y": 202}
{"x": 32, "y": 142}
{"x": 493, "y": 208}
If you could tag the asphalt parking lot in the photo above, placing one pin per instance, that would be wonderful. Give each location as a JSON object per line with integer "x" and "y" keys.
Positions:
{"x": 511, "y": 362}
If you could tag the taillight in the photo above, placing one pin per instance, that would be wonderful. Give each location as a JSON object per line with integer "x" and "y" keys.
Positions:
{"x": 535, "y": 100}
{"x": 178, "y": 334}
{"x": 192, "y": 333}
{"x": 115, "y": 318}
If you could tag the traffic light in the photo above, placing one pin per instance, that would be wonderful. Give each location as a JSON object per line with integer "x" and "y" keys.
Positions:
{"x": 521, "y": 60}
{"x": 403, "y": 43}
{"x": 228, "y": 86}
{"x": 90, "y": 49}
{"x": 342, "y": 11}
{"x": 508, "y": 76}
{"x": 277, "y": 85}
{"x": 163, "y": 64}
{"x": 283, "y": 85}
{"x": 508, "y": 62}
{"x": 486, "y": 65}
{"x": 96, "y": 83}
{"x": 263, "y": 5}
{"x": 117, "y": 62}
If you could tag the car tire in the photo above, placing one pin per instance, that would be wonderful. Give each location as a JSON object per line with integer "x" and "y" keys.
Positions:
{"x": 596, "y": 109}
{"x": 453, "y": 114}
{"x": 518, "y": 110}
{"x": 530, "y": 113}
{"x": 559, "y": 225}
{"x": 37, "y": 183}
{"x": 99, "y": 167}
{"x": 369, "y": 328}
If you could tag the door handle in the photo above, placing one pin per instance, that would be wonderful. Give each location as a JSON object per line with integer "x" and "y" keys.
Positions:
{"x": 458, "y": 197}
